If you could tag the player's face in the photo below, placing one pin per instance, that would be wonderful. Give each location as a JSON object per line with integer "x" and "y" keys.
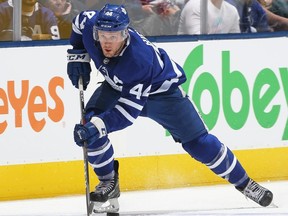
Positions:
{"x": 111, "y": 42}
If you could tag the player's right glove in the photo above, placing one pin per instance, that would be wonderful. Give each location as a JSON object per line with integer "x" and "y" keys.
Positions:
{"x": 78, "y": 65}
{"x": 85, "y": 133}
{"x": 90, "y": 132}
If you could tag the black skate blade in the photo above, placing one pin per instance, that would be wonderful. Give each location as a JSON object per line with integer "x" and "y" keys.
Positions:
{"x": 105, "y": 214}
{"x": 112, "y": 214}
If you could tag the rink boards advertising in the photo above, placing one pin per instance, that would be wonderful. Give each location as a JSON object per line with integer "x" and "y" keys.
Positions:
{"x": 240, "y": 87}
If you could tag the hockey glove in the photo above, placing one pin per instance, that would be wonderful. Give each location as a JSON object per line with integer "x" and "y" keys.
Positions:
{"x": 78, "y": 65}
{"x": 90, "y": 132}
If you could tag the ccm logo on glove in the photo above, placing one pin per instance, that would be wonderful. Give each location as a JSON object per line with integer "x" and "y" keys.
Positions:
{"x": 78, "y": 57}
{"x": 78, "y": 65}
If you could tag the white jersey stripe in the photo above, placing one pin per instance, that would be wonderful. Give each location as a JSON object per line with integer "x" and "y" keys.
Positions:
{"x": 219, "y": 161}
{"x": 95, "y": 153}
{"x": 165, "y": 86}
{"x": 230, "y": 168}
{"x": 177, "y": 71}
{"x": 76, "y": 26}
{"x": 125, "y": 113}
{"x": 103, "y": 163}
{"x": 161, "y": 63}
{"x": 76, "y": 30}
{"x": 167, "y": 83}
{"x": 131, "y": 103}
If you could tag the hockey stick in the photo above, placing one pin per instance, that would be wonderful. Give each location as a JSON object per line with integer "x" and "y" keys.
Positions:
{"x": 85, "y": 154}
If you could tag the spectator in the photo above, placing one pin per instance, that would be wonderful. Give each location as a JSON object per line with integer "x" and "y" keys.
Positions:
{"x": 222, "y": 18}
{"x": 276, "y": 22}
{"x": 279, "y": 7}
{"x": 134, "y": 8}
{"x": 181, "y": 3}
{"x": 169, "y": 14}
{"x": 164, "y": 14}
{"x": 64, "y": 11}
{"x": 146, "y": 16}
{"x": 138, "y": 15}
{"x": 38, "y": 22}
{"x": 253, "y": 17}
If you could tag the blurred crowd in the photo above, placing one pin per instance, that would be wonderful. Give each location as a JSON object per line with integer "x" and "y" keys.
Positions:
{"x": 51, "y": 19}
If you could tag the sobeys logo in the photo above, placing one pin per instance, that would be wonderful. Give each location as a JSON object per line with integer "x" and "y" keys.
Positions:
{"x": 258, "y": 98}
{"x": 34, "y": 100}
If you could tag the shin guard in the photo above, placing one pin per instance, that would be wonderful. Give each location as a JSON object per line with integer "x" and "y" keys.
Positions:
{"x": 208, "y": 150}
{"x": 101, "y": 158}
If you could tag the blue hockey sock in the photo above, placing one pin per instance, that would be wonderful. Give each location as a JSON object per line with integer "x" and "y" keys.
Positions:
{"x": 101, "y": 158}
{"x": 219, "y": 158}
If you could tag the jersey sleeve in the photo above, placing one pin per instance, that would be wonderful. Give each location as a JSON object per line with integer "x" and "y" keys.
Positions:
{"x": 133, "y": 98}
{"x": 80, "y": 22}
{"x": 148, "y": 71}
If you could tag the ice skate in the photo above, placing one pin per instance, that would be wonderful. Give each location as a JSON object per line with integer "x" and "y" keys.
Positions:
{"x": 257, "y": 193}
{"x": 105, "y": 197}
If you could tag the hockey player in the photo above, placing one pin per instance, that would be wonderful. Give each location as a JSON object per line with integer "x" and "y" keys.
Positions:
{"x": 140, "y": 80}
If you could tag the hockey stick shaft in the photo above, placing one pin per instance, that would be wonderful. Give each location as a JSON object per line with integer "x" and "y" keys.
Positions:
{"x": 85, "y": 154}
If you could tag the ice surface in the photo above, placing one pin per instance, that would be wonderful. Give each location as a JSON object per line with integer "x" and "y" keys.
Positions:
{"x": 209, "y": 200}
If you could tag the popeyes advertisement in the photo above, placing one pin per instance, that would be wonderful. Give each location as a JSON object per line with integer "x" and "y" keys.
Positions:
{"x": 26, "y": 101}
{"x": 240, "y": 91}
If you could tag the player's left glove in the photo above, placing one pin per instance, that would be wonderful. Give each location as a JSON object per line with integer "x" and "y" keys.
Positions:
{"x": 78, "y": 65}
{"x": 90, "y": 132}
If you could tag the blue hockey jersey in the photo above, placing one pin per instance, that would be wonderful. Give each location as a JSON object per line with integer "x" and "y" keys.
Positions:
{"x": 140, "y": 70}
{"x": 41, "y": 21}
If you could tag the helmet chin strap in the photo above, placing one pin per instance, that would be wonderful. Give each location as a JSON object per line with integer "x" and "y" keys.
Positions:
{"x": 125, "y": 36}
{"x": 121, "y": 47}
